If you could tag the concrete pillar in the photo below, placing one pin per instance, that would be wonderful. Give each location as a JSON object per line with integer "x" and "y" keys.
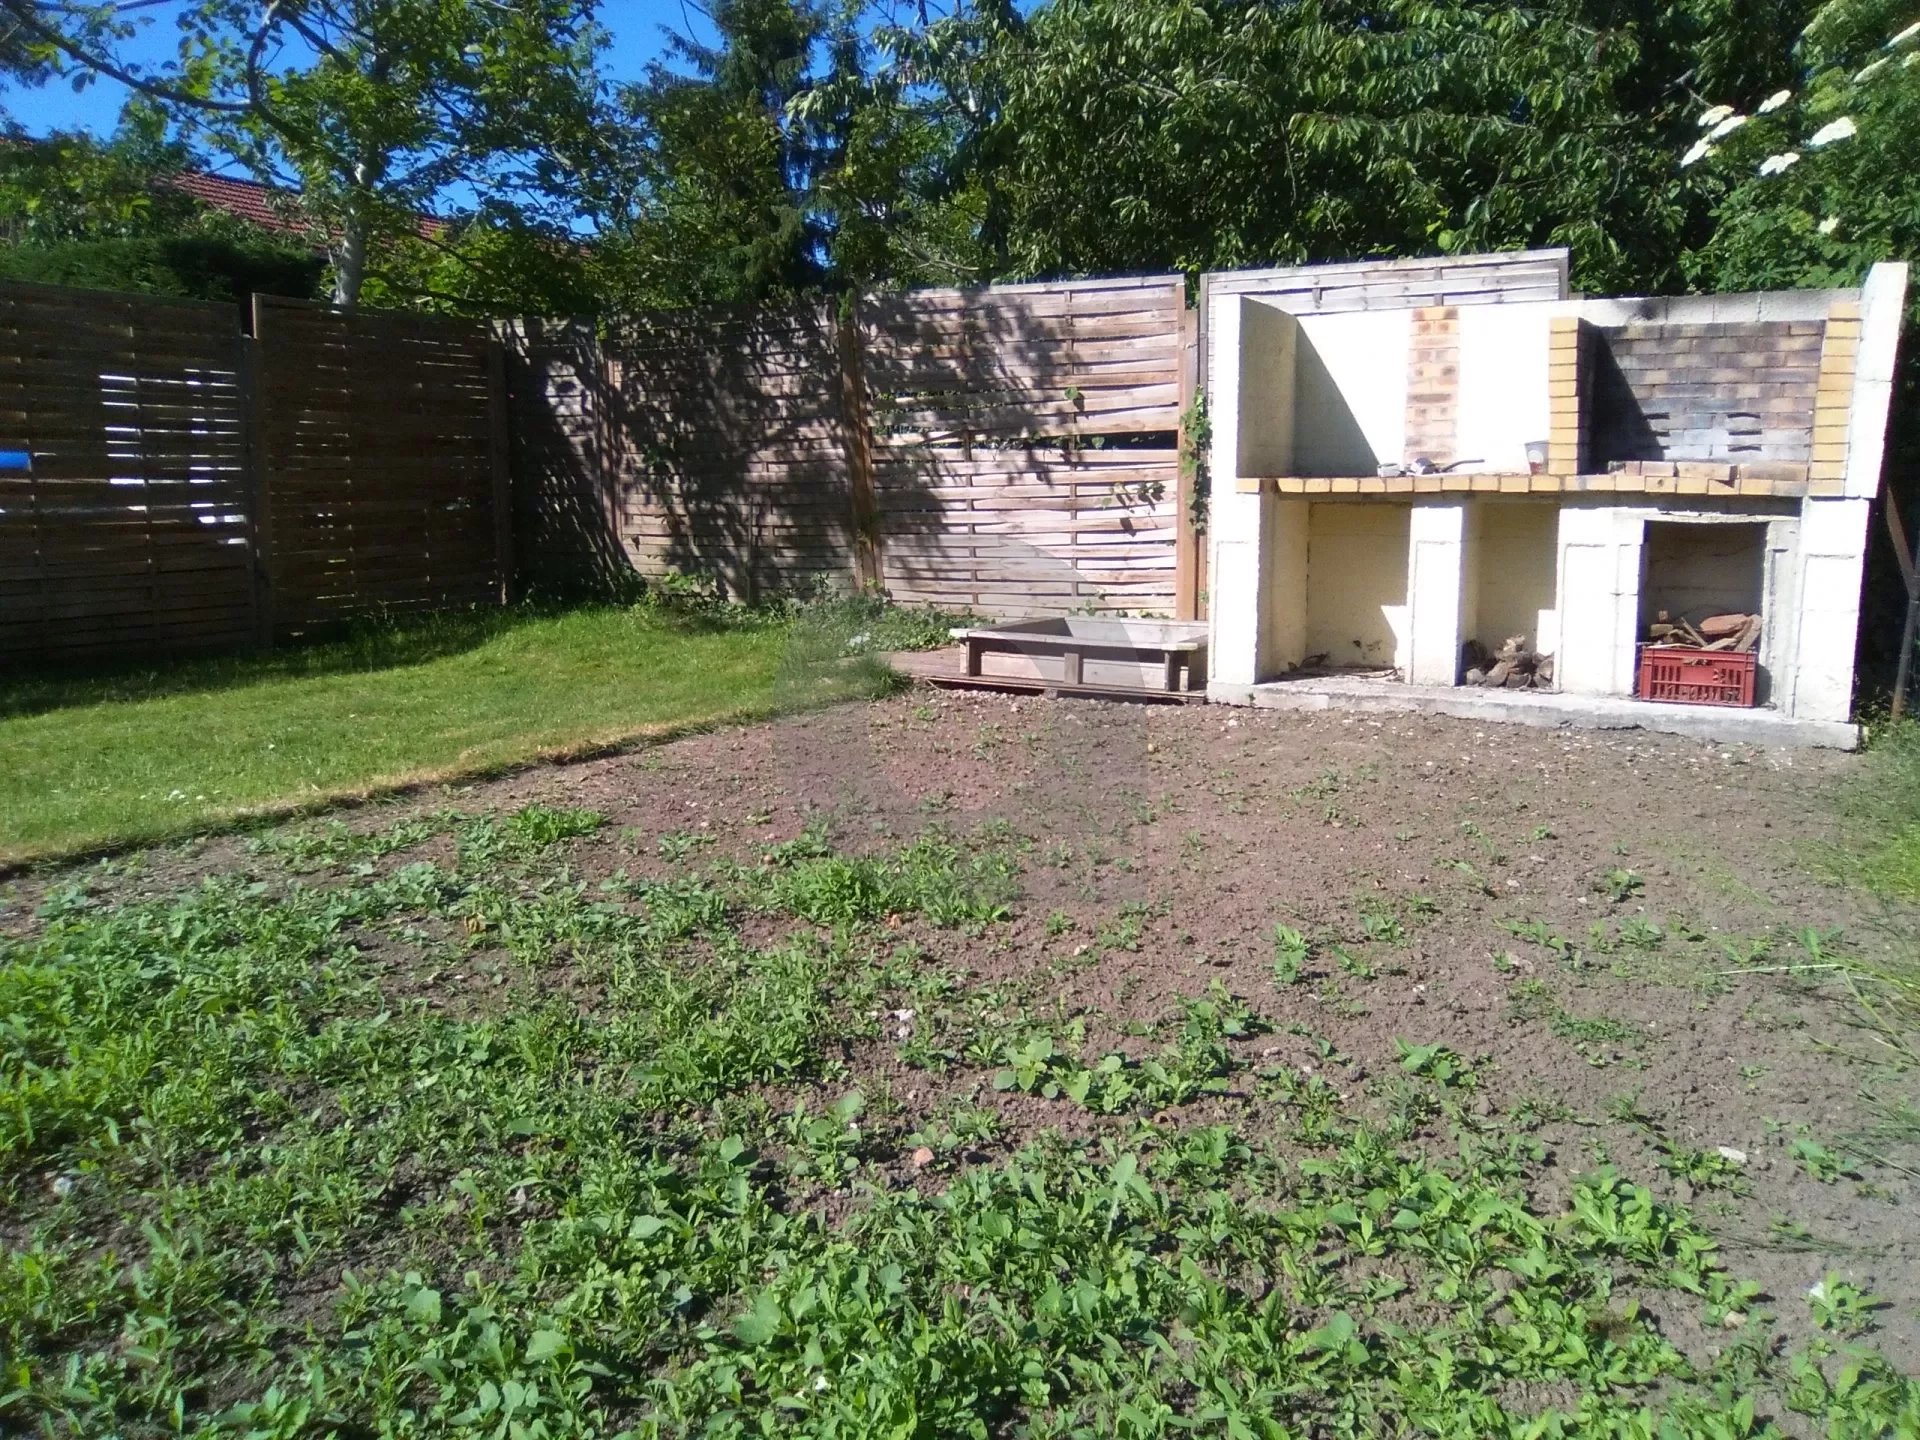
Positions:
{"x": 1236, "y": 587}
{"x": 1436, "y": 592}
{"x": 1598, "y": 598}
{"x": 1833, "y": 546}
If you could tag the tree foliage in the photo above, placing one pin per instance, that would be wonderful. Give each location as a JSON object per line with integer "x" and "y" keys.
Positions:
{"x": 1817, "y": 182}
{"x": 369, "y": 109}
{"x": 822, "y": 145}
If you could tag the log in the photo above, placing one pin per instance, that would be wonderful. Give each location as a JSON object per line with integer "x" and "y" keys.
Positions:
{"x": 1723, "y": 627}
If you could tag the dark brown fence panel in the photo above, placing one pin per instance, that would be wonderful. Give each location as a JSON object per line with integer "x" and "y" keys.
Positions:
{"x": 376, "y": 442}
{"x": 1025, "y": 458}
{"x": 727, "y": 447}
{"x": 566, "y": 528}
{"x": 130, "y": 532}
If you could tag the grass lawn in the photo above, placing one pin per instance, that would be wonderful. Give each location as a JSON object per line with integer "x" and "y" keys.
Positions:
{"x": 134, "y": 757}
{"x": 1002, "y": 1100}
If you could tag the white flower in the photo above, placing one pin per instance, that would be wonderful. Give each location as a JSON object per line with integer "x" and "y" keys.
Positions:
{"x": 1905, "y": 35}
{"x": 1841, "y": 129}
{"x": 820, "y": 1383}
{"x": 1726, "y": 126}
{"x": 1774, "y": 164}
{"x": 1715, "y": 115}
{"x": 1774, "y": 101}
{"x": 1701, "y": 149}
{"x": 1817, "y": 1290}
{"x": 1829, "y": 225}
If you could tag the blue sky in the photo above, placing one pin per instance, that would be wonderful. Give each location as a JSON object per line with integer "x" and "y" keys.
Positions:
{"x": 635, "y": 26}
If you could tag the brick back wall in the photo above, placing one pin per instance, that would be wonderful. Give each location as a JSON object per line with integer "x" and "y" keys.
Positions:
{"x": 1433, "y": 386}
{"x": 1723, "y": 392}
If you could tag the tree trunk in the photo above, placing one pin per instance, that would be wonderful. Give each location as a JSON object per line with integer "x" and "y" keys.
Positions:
{"x": 350, "y": 250}
{"x": 350, "y": 262}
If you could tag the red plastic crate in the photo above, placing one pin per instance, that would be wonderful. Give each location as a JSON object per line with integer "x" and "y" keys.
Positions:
{"x": 1685, "y": 676}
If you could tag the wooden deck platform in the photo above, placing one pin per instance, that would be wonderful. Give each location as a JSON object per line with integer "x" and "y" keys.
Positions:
{"x": 1020, "y": 675}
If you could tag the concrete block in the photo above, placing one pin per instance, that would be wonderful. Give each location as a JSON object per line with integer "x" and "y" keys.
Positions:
{"x": 1436, "y": 592}
{"x": 1882, "y": 305}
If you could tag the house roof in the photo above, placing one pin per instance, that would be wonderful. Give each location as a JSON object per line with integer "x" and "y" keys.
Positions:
{"x": 267, "y": 206}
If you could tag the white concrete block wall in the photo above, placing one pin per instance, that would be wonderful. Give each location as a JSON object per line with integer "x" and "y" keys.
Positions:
{"x": 1598, "y": 600}
{"x": 1236, "y": 601}
{"x": 1436, "y": 592}
{"x": 1833, "y": 546}
{"x": 1285, "y": 635}
{"x": 1502, "y": 396}
{"x": 1269, "y": 341}
{"x": 1350, "y": 381}
{"x": 1356, "y": 584}
{"x": 1346, "y": 376}
{"x": 1883, "y": 299}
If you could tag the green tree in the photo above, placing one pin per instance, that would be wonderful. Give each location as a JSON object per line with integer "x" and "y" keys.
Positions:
{"x": 1816, "y": 182}
{"x": 372, "y": 110}
{"x": 71, "y": 186}
{"x": 1128, "y": 134}
{"x": 720, "y": 204}
{"x": 75, "y": 210}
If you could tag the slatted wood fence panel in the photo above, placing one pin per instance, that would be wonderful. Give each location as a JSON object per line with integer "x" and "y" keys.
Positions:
{"x": 130, "y": 534}
{"x": 728, "y": 446}
{"x": 1023, "y": 533}
{"x": 566, "y": 527}
{"x": 377, "y": 444}
{"x": 984, "y": 403}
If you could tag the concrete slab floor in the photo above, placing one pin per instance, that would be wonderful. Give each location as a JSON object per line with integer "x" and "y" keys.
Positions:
{"x": 1543, "y": 708}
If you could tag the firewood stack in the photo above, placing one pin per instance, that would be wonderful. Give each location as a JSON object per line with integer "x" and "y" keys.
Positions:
{"x": 1512, "y": 667}
{"x": 1734, "y": 632}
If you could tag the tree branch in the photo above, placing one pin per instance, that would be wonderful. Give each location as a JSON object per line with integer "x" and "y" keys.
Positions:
{"x": 23, "y": 12}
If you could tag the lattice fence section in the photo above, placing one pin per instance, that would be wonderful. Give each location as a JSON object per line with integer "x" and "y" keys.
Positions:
{"x": 124, "y": 526}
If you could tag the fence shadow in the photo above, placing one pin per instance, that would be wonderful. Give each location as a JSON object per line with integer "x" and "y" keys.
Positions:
{"x": 356, "y": 648}
{"x": 1019, "y": 442}
{"x": 566, "y": 540}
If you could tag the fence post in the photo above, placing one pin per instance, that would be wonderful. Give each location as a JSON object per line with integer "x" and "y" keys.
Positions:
{"x": 867, "y": 565}
{"x": 1188, "y": 552}
{"x": 499, "y": 461}
{"x": 253, "y": 404}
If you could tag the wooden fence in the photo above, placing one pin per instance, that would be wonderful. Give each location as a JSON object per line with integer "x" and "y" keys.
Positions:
{"x": 383, "y": 450}
{"x": 188, "y": 486}
{"x": 170, "y": 484}
{"x": 1011, "y": 449}
{"x": 125, "y": 504}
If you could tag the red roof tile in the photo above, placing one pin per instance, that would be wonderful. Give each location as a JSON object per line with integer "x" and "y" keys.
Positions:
{"x": 264, "y": 205}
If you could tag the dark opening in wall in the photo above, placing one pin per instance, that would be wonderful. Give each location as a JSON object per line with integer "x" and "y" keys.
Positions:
{"x": 1691, "y": 570}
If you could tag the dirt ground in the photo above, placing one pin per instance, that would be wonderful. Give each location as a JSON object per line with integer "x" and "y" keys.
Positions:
{"x": 1607, "y": 921}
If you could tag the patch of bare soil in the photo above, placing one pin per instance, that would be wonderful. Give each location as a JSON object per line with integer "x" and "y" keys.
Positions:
{"x": 1608, "y": 922}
